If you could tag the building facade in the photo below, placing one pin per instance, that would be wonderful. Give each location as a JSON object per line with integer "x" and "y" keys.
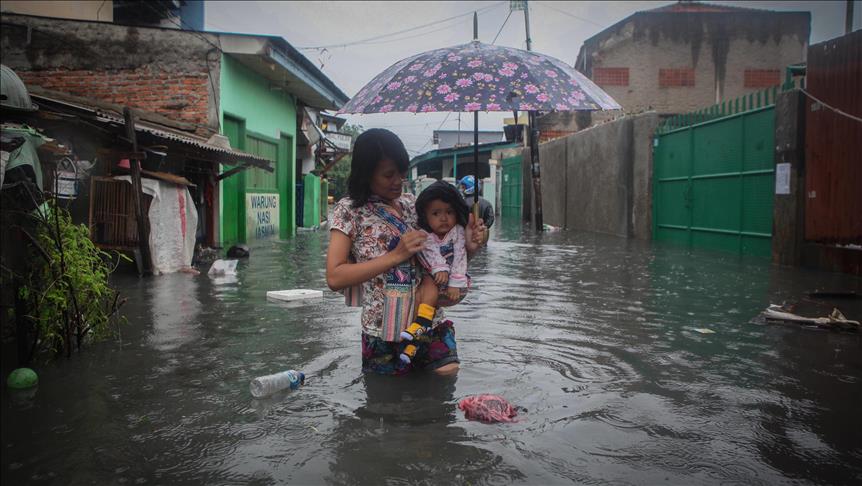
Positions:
{"x": 446, "y": 139}
{"x": 248, "y": 88}
{"x": 688, "y": 55}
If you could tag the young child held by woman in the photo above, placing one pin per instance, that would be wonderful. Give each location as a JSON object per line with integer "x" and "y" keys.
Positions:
{"x": 443, "y": 214}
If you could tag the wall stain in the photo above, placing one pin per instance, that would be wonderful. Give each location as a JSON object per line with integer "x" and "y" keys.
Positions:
{"x": 692, "y": 28}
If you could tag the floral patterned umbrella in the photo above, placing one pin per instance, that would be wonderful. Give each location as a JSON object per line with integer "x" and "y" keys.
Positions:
{"x": 479, "y": 77}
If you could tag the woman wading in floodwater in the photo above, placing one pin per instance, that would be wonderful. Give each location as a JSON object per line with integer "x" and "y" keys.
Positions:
{"x": 372, "y": 244}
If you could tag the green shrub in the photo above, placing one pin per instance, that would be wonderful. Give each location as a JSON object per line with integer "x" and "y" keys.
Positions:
{"x": 67, "y": 293}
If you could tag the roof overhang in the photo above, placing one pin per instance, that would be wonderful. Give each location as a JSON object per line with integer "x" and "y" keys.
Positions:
{"x": 277, "y": 61}
{"x": 216, "y": 148}
{"x": 467, "y": 150}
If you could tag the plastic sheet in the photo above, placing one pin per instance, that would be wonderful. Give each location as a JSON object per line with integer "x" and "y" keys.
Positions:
{"x": 173, "y": 219}
{"x": 488, "y": 409}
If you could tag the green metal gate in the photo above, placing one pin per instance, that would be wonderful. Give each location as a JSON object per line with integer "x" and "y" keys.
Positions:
{"x": 713, "y": 176}
{"x": 511, "y": 188}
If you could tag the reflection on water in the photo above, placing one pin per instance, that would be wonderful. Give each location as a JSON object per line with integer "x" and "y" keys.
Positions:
{"x": 175, "y": 307}
{"x": 593, "y": 335}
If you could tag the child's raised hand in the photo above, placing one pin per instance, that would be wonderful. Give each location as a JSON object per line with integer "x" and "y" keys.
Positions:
{"x": 441, "y": 278}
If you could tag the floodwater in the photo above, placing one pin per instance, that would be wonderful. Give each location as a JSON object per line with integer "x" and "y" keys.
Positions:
{"x": 594, "y": 335}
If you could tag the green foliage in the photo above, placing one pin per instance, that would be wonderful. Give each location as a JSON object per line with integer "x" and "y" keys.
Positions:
{"x": 67, "y": 289}
{"x": 339, "y": 173}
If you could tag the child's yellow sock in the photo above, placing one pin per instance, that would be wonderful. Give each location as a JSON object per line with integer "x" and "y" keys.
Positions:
{"x": 424, "y": 318}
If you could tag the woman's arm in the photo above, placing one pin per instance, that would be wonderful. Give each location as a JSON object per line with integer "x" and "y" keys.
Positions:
{"x": 341, "y": 273}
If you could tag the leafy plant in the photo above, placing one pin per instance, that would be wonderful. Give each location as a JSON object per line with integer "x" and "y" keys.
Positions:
{"x": 67, "y": 291}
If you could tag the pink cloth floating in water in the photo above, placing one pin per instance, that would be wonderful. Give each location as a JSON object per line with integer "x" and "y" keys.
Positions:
{"x": 487, "y": 408}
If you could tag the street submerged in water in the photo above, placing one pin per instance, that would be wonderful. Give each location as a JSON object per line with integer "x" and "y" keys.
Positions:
{"x": 595, "y": 337}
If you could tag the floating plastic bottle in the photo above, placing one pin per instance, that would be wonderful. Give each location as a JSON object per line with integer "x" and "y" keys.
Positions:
{"x": 267, "y": 385}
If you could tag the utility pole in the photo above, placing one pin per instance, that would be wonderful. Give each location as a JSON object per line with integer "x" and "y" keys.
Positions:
{"x": 848, "y": 18}
{"x": 534, "y": 139}
{"x": 143, "y": 257}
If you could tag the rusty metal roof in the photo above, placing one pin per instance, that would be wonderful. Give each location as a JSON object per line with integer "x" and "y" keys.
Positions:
{"x": 217, "y": 146}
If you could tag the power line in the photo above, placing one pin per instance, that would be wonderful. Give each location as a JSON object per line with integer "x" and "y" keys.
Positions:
{"x": 438, "y": 128}
{"x": 501, "y": 27}
{"x": 410, "y": 36}
{"x": 167, "y": 14}
{"x": 383, "y": 36}
{"x": 545, "y": 4}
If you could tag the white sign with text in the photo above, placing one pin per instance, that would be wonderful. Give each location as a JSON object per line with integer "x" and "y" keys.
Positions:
{"x": 261, "y": 216}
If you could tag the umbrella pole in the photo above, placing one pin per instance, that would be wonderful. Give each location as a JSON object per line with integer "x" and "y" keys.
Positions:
{"x": 476, "y": 164}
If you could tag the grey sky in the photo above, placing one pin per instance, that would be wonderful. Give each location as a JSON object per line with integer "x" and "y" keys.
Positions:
{"x": 557, "y": 28}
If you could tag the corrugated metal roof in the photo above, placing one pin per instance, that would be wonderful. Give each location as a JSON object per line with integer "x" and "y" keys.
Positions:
{"x": 199, "y": 142}
{"x": 222, "y": 151}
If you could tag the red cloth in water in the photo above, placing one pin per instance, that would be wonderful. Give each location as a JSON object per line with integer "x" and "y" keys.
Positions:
{"x": 487, "y": 408}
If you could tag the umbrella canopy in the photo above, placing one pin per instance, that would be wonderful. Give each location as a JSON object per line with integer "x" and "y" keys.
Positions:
{"x": 479, "y": 77}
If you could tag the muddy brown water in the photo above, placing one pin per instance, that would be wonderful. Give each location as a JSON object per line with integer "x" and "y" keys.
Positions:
{"x": 593, "y": 335}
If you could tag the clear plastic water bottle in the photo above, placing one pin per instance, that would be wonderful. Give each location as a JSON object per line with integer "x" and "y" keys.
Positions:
{"x": 267, "y": 385}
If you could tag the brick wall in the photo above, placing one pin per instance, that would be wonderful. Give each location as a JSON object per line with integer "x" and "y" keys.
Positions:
{"x": 761, "y": 78}
{"x": 646, "y": 46}
{"x": 170, "y": 72}
{"x": 183, "y": 97}
{"x": 608, "y": 76}
{"x": 673, "y": 77}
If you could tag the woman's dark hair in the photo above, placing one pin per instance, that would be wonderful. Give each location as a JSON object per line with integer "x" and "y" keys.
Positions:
{"x": 370, "y": 148}
{"x": 441, "y": 191}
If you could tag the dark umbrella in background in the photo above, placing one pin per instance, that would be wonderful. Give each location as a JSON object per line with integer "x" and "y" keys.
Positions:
{"x": 478, "y": 77}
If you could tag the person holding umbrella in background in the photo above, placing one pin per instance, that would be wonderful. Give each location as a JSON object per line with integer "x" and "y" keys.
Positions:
{"x": 467, "y": 186}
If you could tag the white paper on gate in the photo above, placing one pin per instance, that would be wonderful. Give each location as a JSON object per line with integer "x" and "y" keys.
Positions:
{"x": 223, "y": 267}
{"x": 294, "y": 295}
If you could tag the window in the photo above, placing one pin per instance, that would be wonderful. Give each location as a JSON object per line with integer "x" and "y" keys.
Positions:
{"x": 611, "y": 76}
{"x": 673, "y": 77}
{"x": 762, "y": 78}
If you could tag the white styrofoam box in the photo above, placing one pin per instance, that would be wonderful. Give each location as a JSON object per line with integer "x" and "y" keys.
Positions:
{"x": 294, "y": 294}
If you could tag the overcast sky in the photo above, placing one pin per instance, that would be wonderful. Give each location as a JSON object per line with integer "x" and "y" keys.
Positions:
{"x": 557, "y": 29}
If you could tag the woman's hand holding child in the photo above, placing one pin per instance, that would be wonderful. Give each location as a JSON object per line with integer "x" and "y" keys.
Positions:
{"x": 410, "y": 244}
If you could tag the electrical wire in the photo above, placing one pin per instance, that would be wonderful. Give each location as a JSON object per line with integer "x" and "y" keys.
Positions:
{"x": 582, "y": 19}
{"x": 438, "y": 128}
{"x": 409, "y": 37}
{"x": 501, "y": 27}
{"x": 383, "y": 36}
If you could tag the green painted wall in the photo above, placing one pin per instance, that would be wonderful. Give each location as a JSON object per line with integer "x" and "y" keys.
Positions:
{"x": 311, "y": 198}
{"x": 258, "y": 120}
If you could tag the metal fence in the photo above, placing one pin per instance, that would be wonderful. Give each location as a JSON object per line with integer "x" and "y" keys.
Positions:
{"x": 713, "y": 176}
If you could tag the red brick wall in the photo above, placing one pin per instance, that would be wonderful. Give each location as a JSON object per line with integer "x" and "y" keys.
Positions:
{"x": 762, "y": 78}
{"x": 675, "y": 77}
{"x": 182, "y": 97}
{"x": 607, "y": 76}
{"x": 546, "y": 135}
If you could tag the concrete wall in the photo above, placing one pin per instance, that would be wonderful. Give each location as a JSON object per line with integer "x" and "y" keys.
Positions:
{"x": 600, "y": 178}
{"x": 80, "y": 9}
{"x": 166, "y": 71}
{"x": 718, "y": 46}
